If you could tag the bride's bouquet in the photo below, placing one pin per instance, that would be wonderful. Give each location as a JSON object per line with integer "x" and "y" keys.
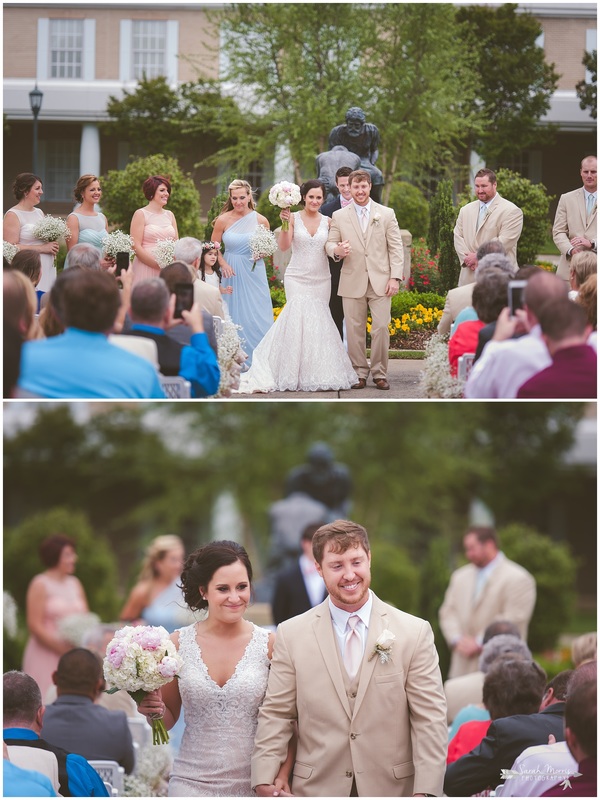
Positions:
{"x": 117, "y": 242}
{"x": 262, "y": 244}
{"x": 51, "y": 229}
{"x": 284, "y": 195}
{"x": 140, "y": 660}
{"x": 164, "y": 252}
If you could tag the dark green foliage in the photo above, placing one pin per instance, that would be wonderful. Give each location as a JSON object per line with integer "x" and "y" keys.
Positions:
{"x": 215, "y": 209}
{"x": 433, "y": 582}
{"x": 411, "y": 207}
{"x": 554, "y": 570}
{"x": 588, "y": 92}
{"x": 404, "y": 301}
{"x": 441, "y": 234}
{"x": 395, "y": 578}
{"x": 534, "y": 201}
{"x": 122, "y": 193}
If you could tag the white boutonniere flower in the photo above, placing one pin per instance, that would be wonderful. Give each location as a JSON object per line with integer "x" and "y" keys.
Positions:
{"x": 376, "y": 217}
{"x": 383, "y": 646}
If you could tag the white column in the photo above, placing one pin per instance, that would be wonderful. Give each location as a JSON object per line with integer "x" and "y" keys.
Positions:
{"x": 89, "y": 153}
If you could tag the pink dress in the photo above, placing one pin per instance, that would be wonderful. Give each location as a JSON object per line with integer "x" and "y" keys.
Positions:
{"x": 156, "y": 228}
{"x": 63, "y": 598}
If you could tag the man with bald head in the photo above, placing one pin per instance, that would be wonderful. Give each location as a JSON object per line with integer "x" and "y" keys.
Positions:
{"x": 575, "y": 223}
{"x": 506, "y": 363}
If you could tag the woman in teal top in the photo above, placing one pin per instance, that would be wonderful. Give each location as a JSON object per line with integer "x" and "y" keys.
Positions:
{"x": 86, "y": 224}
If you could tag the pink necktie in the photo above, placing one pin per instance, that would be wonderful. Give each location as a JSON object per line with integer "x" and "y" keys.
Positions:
{"x": 353, "y": 647}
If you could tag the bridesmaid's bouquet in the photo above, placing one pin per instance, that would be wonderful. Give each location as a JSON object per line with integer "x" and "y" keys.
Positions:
{"x": 285, "y": 195}
{"x": 74, "y": 627}
{"x": 51, "y": 229}
{"x": 262, "y": 244}
{"x": 117, "y": 242}
{"x": 140, "y": 660}
{"x": 10, "y": 250}
{"x": 164, "y": 252}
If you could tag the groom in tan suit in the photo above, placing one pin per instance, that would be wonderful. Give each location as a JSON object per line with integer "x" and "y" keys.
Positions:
{"x": 575, "y": 224}
{"x": 362, "y": 682}
{"x": 367, "y": 236}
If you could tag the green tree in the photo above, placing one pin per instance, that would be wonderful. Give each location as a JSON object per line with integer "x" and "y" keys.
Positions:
{"x": 534, "y": 201}
{"x": 442, "y": 216}
{"x": 122, "y": 193}
{"x": 516, "y": 82}
{"x": 411, "y": 207}
{"x": 588, "y": 92}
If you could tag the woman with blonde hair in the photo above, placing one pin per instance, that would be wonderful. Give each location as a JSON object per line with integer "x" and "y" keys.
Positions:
{"x": 250, "y": 303}
{"x": 20, "y": 304}
{"x": 156, "y": 598}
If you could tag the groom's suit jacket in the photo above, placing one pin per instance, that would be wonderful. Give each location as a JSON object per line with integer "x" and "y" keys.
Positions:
{"x": 377, "y": 255}
{"x": 504, "y": 221}
{"x": 394, "y": 741}
{"x": 571, "y": 220}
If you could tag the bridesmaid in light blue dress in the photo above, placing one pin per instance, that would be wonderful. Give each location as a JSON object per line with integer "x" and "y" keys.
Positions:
{"x": 250, "y": 301}
{"x": 86, "y": 224}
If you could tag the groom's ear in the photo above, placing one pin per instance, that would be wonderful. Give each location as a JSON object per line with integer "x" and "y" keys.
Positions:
{"x": 319, "y": 570}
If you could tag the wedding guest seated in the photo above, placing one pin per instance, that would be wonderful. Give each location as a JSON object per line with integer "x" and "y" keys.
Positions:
{"x": 507, "y": 737}
{"x": 507, "y": 362}
{"x": 83, "y": 255}
{"x": 581, "y": 733}
{"x": 12, "y": 343}
{"x": 573, "y": 372}
{"x": 189, "y": 250}
{"x": 584, "y": 648}
{"x": 587, "y": 298}
{"x": 489, "y": 298}
{"x": 499, "y": 698}
{"x": 583, "y": 264}
{"x": 23, "y": 715}
{"x": 460, "y": 297}
{"x": 151, "y": 312}
{"x": 76, "y": 722}
{"x": 29, "y": 263}
{"x": 543, "y": 766}
{"x": 19, "y": 782}
{"x": 20, "y": 303}
{"x": 469, "y": 688}
{"x": 81, "y": 363}
{"x": 175, "y": 273}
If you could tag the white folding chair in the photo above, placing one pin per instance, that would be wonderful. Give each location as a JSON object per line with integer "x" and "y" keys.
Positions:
{"x": 176, "y": 388}
{"x": 465, "y": 365}
{"x": 138, "y": 345}
{"x": 218, "y": 326}
{"x": 140, "y": 731}
{"x": 111, "y": 772}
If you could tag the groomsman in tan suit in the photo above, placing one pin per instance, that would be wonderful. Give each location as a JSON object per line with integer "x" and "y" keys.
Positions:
{"x": 367, "y": 236}
{"x": 490, "y": 588}
{"x": 361, "y": 681}
{"x": 488, "y": 217}
{"x": 575, "y": 225}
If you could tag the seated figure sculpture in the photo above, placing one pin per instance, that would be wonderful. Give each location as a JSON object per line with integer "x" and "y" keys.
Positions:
{"x": 360, "y": 137}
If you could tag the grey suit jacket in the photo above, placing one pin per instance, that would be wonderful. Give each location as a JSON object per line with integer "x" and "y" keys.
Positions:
{"x": 80, "y": 726}
{"x": 571, "y": 220}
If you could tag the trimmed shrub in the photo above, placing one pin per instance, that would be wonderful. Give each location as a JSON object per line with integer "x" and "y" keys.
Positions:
{"x": 122, "y": 193}
{"x": 534, "y": 201}
{"x": 425, "y": 275}
{"x": 411, "y": 207}
{"x": 404, "y": 301}
{"x": 441, "y": 234}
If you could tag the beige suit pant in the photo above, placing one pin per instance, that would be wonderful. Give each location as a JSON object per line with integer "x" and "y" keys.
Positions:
{"x": 355, "y": 313}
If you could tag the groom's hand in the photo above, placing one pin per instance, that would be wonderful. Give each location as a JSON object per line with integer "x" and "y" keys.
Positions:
{"x": 392, "y": 288}
{"x": 342, "y": 249}
{"x": 270, "y": 790}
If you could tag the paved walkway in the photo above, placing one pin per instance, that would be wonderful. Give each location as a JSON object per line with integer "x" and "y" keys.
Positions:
{"x": 403, "y": 377}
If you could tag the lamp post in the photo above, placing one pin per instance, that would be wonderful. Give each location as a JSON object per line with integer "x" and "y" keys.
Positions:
{"x": 35, "y": 101}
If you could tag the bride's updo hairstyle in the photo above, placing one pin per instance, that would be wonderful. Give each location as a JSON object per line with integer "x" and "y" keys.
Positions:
{"x": 238, "y": 184}
{"x": 201, "y": 565}
{"x": 307, "y": 186}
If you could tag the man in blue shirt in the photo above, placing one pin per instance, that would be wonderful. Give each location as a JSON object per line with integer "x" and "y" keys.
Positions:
{"x": 81, "y": 362}
{"x": 23, "y": 716}
{"x": 152, "y": 310}
{"x": 19, "y": 782}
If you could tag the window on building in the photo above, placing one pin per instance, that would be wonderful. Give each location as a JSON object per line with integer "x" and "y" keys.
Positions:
{"x": 66, "y": 48}
{"x": 149, "y": 48}
{"x": 61, "y": 169}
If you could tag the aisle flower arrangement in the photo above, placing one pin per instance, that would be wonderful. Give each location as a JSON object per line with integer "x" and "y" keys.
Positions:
{"x": 231, "y": 357}
{"x": 436, "y": 378}
{"x": 139, "y": 660}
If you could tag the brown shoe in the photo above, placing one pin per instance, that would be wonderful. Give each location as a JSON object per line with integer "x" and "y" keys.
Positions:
{"x": 381, "y": 383}
{"x": 362, "y": 382}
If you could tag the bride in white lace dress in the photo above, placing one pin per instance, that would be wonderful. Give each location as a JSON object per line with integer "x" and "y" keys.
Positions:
{"x": 303, "y": 351}
{"x": 222, "y": 682}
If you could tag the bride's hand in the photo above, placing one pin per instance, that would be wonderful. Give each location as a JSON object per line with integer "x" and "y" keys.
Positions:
{"x": 285, "y": 214}
{"x": 152, "y": 706}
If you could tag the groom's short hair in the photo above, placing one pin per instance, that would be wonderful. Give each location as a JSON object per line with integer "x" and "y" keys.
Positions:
{"x": 359, "y": 175}
{"x": 341, "y": 535}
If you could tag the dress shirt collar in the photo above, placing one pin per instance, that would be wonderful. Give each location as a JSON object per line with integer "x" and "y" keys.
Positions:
{"x": 139, "y": 326}
{"x": 340, "y": 617}
{"x": 489, "y": 202}
{"x": 19, "y": 733}
{"x": 589, "y": 194}
{"x": 494, "y": 563}
{"x": 359, "y": 209}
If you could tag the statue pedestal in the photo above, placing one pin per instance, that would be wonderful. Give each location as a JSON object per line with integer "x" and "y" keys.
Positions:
{"x": 407, "y": 243}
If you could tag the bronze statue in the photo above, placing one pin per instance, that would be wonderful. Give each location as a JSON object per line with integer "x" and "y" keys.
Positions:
{"x": 360, "y": 137}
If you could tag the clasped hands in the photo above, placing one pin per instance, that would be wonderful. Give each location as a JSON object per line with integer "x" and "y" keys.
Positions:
{"x": 579, "y": 244}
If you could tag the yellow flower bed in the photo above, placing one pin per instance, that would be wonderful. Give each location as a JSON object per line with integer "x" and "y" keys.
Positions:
{"x": 418, "y": 318}
{"x": 277, "y": 311}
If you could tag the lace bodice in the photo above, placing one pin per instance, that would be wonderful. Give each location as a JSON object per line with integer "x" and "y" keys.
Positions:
{"x": 217, "y": 744}
{"x": 309, "y": 260}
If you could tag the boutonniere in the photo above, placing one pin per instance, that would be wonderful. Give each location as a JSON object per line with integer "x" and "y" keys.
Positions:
{"x": 376, "y": 217}
{"x": 383, "y": 647}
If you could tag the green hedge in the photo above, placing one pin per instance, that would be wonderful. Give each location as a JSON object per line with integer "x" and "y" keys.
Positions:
{"x": 411, "y": 207}
{"x": 404, "y": 301}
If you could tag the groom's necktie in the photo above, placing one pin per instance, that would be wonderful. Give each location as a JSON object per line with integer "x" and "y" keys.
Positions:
{"x": 364, "y": 218}
{"x": 353, "y": 650}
